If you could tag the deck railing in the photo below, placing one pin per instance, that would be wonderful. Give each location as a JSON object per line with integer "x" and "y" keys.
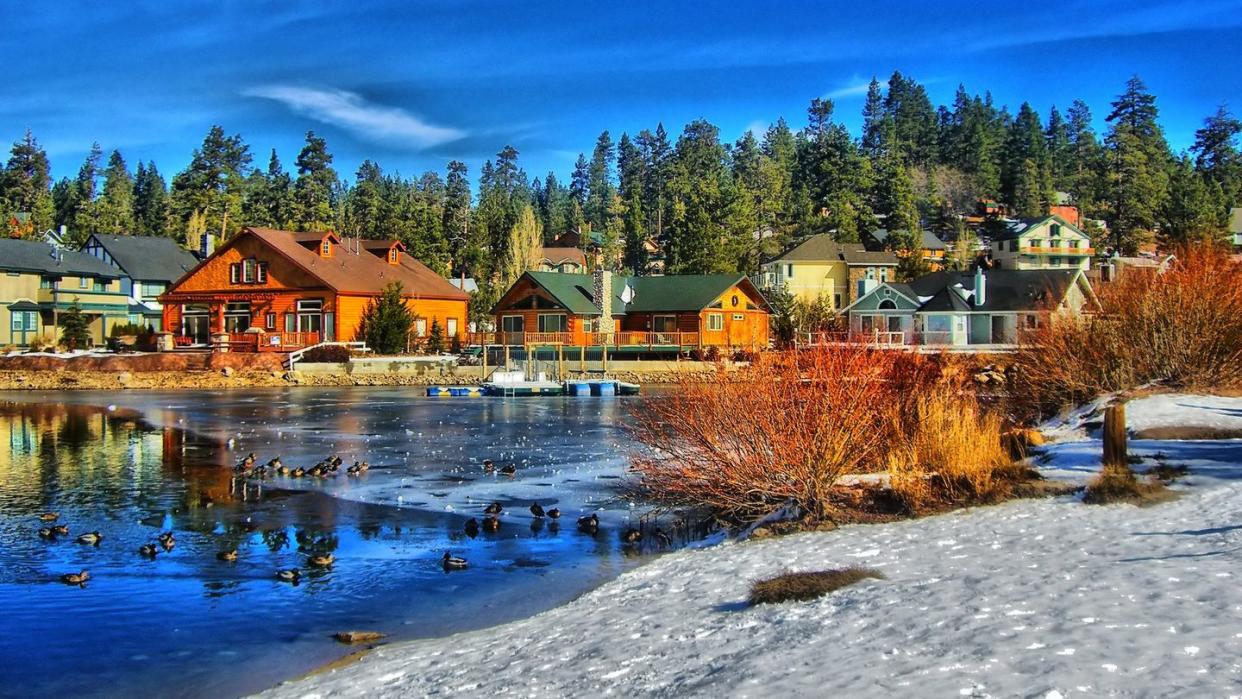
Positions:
{"x": 625, "y": 338}
{"x": 268, "y": 341}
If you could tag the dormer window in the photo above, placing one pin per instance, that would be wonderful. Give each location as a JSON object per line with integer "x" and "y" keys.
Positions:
{"x": 393, "y": 256}
{"x": 325, "y": 250}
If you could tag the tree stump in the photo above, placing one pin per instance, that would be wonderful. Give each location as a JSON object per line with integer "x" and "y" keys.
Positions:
{"x": 1115, "y": 435}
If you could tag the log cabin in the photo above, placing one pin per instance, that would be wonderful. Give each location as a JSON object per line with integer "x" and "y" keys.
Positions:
{"x": 273, "y": 290}
{"x": 675, "y": 312}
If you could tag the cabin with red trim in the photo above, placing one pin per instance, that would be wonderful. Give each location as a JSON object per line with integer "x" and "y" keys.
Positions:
{"x": 273, "y": 290}
{"x": 660, "y": 313}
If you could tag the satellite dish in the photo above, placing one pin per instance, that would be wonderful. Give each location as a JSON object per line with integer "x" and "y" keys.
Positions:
{"x": 627, "y": 294}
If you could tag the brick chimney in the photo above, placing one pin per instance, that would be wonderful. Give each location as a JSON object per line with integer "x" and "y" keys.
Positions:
{"x": 602, "y": 295}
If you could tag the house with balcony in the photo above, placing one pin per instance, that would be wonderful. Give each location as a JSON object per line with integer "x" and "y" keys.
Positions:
{"x": 822, "y": 268}
{"x": 39, "y": 282}
{"x": 648, "y": 314}
{"x": 273, "y": 290}
{"x": 148, "y": 266}
{"x": 975, "y": 311}
{"x": 1049, "y": 242}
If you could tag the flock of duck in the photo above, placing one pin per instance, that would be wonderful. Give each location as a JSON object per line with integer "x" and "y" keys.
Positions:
{"x": 249, "y": 468}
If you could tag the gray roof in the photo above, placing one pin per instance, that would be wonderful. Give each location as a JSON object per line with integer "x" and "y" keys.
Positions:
{"x": 148, "y": 258}
{"x": 37, "y": 257}
{"x": 930, "y": 241}
{"x": 672, "y": 293}
{"x": 1007, "y": 290}
{"x": 822, "y": 248}
{"x": 1015, "y": 228}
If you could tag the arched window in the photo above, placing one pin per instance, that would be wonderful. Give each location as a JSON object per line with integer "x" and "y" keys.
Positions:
{"x": 887, "y": 305}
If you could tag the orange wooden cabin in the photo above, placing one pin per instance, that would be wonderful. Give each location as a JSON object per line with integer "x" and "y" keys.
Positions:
{"x": 272, "y": 290}
{"x": 658, "y": 313}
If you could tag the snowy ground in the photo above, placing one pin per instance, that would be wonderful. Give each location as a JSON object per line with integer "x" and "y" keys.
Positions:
{"x": 1034, "y": 598}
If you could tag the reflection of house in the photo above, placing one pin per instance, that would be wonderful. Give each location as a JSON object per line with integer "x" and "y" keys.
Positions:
{"x": 278, "y": 290}
{"x": 40, "y": 282}
{"x": 1050, "y": 242}
{"x": 964, "y": 309}
{"x": 822, "y": 268}
{"x": 569, "y": 260}
{"x": 668, "y": 312}
{"x": 148, "y": 265}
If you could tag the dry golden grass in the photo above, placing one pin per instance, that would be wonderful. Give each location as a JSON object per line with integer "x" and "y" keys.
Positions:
{"x": 1182, "y": 327}
{"x": 1118, "y": 484}
{"x": 801, "y": 587}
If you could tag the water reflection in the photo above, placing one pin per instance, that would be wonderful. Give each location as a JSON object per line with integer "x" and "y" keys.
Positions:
{"x": 229, "y": 627}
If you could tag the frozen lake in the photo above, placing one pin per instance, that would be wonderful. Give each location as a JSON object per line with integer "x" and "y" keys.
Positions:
{"x": 131, "y": 465}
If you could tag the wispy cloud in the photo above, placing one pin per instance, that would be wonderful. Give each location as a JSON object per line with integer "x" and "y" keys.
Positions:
{"x": 351, "y": 111}
{"x": 855, "y": 87}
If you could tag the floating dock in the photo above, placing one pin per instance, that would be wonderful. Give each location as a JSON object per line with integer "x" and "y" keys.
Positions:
{"x": 600, "y": 387}
{"x": 454, "y": 391}
{"x": 515, "y": 383}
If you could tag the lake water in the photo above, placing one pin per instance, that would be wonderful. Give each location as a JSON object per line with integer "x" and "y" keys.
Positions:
{"x": 131, "y": 465}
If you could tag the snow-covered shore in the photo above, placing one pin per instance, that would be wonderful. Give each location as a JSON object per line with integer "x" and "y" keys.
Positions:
{"x": 1029, "y": 598}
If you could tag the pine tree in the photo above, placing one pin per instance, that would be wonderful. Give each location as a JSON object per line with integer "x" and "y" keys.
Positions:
{"x": 1060, "y": 152}
{"x": 1085, "y": 181}
{"x": 1194, "y": 210}
{"x": 75, "y": 328}
{"x": 657, "y": 155}
{"x": 579, "y": 186}
{"x": 632, "y": 171}
{"x": 706, "y": 227}
{"x": 386, "y": 322}
{"x": 895, "y": 201}
{"x": 312, "y": 192}
{"x": 116, "y": 204}
{"x": 875, "y": 122}
{"x": 435, "y": 339}
{"x": 833, "y": 177}
{"x": 1026, "y": 165}
{"x": 599, "y": 192}
{"x": 25, "y": 185}
{"x": 912, "y": 120}
{"x": 456, "y": 220}
{"x": 209, "y": 192}
{"x": 1216, "y": 155}
{"x": 1138, "y": 177}
{"x": 150, "y": 201}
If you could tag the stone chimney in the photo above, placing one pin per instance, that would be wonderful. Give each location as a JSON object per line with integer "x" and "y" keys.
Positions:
{"x": 602, "y": 294}
{"x": 981, "y": 287}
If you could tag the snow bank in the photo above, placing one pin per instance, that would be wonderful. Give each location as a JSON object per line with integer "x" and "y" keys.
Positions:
{"x": 1031, "y": 598}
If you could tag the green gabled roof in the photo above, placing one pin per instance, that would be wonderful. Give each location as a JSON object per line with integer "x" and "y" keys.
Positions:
{"x": 1021, "y": 226}
{"x": 673, "y": 293}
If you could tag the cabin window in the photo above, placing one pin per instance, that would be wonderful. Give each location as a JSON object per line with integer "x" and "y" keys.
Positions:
{"x": 326, "y": 248}
{"x": 234, "y": 273}
{"x": 261, "y": 272}
{"x": 1054, "y": 243}
{"x": 83, "y": 282}
{"x": 1055, "y": 261}
{"x": 836, "y": 300}
{"x": 392, "y": 256}
{"x": 450, "y": 327}
{"x": 420, "y": 327}
{"x": 738, "y": 316}
{"x": 867, "y": 322}
{"x": 236, "y": 316}
{"x": 269, "y": 321}
{"x": 871, "y": 272}
{"x": 1032, "y": 321}
{"x": 310, "y": 315}
{"x": 1037, "y": 243}
{"x": 789, "y": 271}
{"x": 887, "y": 305}
{"x": 715, "y": 321}
{"x": 100, "y": 285}
{"x": 291, "y": 322}
{"x": 553, "y": 323}
{"x": 1013, "y": 245}
{"x": 512, "y": 324}
{"x": 249, "y": 270}
{"x": 884, "y": 274}
{"x": 664, "y": 324}
{"x": 894, "y": 324}
{"x": 1056, "y": 231}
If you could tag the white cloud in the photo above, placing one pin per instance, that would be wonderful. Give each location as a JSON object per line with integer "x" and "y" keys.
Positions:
{"x": 350, "y": 111}
{"x": 855, "y": 87}
{"x": 758, "y": 128}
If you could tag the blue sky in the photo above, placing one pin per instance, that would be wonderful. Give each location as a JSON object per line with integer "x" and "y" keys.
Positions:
{"x": 412, "y": 85}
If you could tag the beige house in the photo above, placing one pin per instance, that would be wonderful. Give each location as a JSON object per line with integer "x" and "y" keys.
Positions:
{"x": 1049, "y": 242}
{"x": 39, "y": 282}
{"x": 822, "y": 268}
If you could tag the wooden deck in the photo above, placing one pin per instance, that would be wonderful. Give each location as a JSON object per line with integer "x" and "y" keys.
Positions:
{"x": 613, "y": 339}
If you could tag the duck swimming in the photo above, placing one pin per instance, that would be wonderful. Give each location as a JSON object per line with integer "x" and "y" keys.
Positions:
{"x": 489, "y": 466}
{"x": 450, "y": 562}
{"x": 492, "y": 509}
{"x": 147, "y": 550}
{"x": 472, "y": 527}
{"x": 554, "y": 513}
{"x": 78, "y": 578}
{"x": 536, "y": 509}
{"x": 49, "y": 516}
{"x": 167, "y": 540}
{"x": 491, "y": 524}
{"x": 292, "y": 575}
{"x": 509, "y": 470}
{"x": 321, "y": 560}
{"x": 631, "y": 536}
{"x": 297, "y": 472}
{"x": 60, "y": 530}
{"x": 46, "y": 533}
{"x": 230, "y": 555}
{"x": 588, "y": 525}
{"x": 92, "y": 538}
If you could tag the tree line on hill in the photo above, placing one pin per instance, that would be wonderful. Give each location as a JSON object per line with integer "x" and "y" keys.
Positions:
{"x": 706, "y": 205}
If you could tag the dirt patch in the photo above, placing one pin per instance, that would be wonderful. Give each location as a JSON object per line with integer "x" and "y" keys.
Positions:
{"x": 1117, "y": 484}
{"x": 800, "y": 587}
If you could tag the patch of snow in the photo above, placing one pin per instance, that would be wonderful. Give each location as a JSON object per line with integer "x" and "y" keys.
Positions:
{"x": 1089, "y": 585}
